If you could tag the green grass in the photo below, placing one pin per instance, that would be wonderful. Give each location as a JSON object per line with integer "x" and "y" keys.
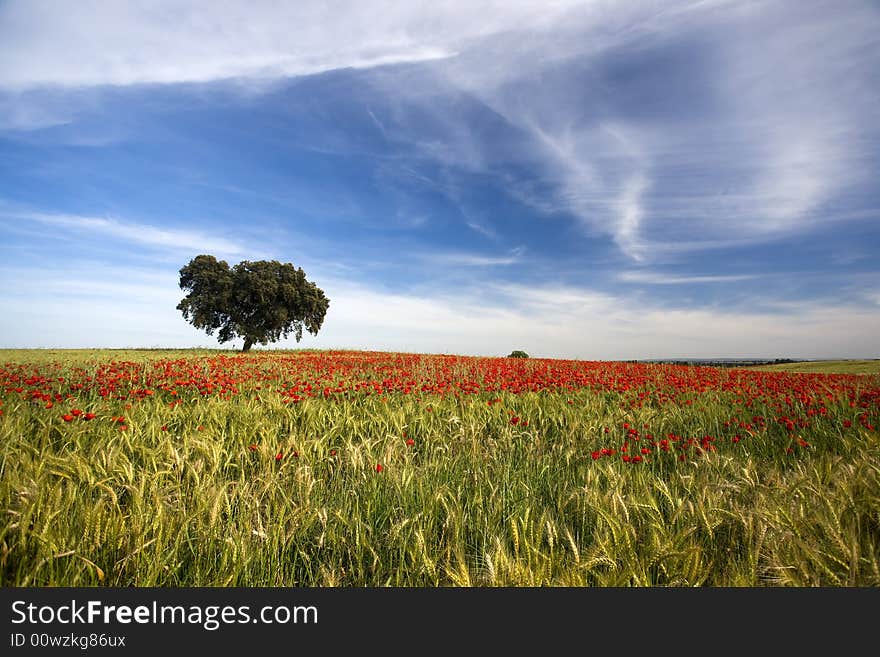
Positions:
{"x": 475, "y": 501}
{"x": 827, "y": 367}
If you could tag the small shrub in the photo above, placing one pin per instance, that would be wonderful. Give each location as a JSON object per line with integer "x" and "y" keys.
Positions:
{"x": 518, "y": 354}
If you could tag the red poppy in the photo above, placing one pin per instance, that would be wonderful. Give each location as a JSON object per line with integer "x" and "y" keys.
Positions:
{"x": 67, "y": 417}
{"x": 410, "y": 442}
{"x": 279, "y": 456}
{"x": 379, "y": 467}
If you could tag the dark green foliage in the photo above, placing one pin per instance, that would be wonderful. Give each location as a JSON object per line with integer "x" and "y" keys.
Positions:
{"x": 518, "y": 354}
{"x": 258, "y": 301}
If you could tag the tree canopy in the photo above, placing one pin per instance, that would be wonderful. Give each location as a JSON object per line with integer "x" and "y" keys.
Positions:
{"x": 259, "y": 301}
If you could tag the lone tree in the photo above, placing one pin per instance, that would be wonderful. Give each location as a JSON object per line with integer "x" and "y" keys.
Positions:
{"x": 258, "y": 301}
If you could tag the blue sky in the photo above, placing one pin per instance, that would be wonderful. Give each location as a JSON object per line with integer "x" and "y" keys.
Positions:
{"x": 602, "y": 180}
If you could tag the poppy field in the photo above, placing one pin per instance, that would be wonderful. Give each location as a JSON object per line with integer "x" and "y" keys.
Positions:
{"x": 346, "y": 468}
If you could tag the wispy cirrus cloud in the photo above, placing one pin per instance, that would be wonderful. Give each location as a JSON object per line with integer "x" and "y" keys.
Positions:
{"x": 670, "y": 127}
{"x": 463, "y": 259}
{"x": 657, "y": 278}
{"x": 482, "y": 228}
{"x": 23, "y": 112}
{"x": 127, "y": 231}
{"x": 171, "y": 41}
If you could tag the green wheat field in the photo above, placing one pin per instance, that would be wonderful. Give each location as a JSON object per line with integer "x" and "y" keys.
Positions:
{"x": 368, "y": 469}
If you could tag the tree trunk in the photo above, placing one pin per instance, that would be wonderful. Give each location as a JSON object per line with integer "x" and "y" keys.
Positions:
{"x": 248, "y": 343}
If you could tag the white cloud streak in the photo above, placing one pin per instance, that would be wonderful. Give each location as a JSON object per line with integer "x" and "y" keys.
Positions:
{"x": 18, "y": 112}
{"x": 136, "y": 233}
{"x": 481, "y": 228}
{"x": 656, "y": 278}
{"x": 171, "y": 41}
{"x": 514, "y": 256}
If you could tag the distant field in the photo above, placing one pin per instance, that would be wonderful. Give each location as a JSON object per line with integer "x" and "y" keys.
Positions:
{"x": 826, "y": 367}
